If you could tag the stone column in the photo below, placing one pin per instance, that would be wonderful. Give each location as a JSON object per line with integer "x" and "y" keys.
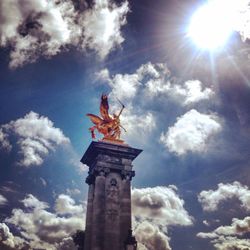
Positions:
{"x": 98, "y": 213}
{"x": 125, "y": 216}
{"x": 112, "y": 213}
{"x": 89, "y": 215}
{"x": 108, "y": 219}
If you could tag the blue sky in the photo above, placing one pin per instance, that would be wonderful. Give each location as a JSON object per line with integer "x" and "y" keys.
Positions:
{"x": 187, "y": 107}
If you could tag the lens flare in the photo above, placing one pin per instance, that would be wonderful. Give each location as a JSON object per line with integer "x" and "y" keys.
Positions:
{"x": 213, "y": 23}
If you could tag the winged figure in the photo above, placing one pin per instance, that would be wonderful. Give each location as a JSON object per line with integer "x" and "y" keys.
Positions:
{"x": 108, "y": 125}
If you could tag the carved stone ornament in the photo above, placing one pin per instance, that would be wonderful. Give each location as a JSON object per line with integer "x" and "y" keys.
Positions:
{"x": 90, "y": 179}
{"x": 113, "y": 182}
{"x": 112, "y": 214}
{"x": 101, "y": 171}
{"x": 112, "y": 192}
{"x": 127, "y": 174}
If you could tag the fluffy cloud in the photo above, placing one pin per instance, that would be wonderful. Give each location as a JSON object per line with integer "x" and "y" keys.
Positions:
{"x": 161, "y": 205}
{"x": 191, "y": 132}
{"x": 3, "y": 200}
{"x": 149, "y": 85}
{"x": 231, "y": 236}
{"x": 102, "y": 26}
{"x": 34, "y": 28}
{"x": 40, "y": 228}
{"x": 125, "y": 86}
{"x": 238, "y": 227}
{"x": 137, "y": 123}
{"x": 66, "y": 205}
{"x": 224, "y": 237}
{"x": 154, "y": 80}
{"x": 36, "y": 137}
{"x": 150, "y": 237}
{"x": 8, "y": 239}
{"x": 4, "y": 141}
{"x": 154, "y": 209}
{"x": 211, "y": 199}
{"x": 38, "y": 27}
{"x": 191, "y": 92}
{"x": 231, "y": 243}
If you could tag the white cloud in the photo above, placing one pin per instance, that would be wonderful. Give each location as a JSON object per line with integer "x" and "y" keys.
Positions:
{"x": 102, "y": 75}
{"x": 102, "y": 26}
{"x": 224, "y": 237}
{"x": 157, "y": 81}
{"x": 238, "y": 227}
{"x": 231, "y": 236}
{"x": 67, "y": 244}
{"x": 45, "y": 28}
{"x": 191, "y": 132}
{"x": 149, "y": 85}
{"x": 160, "y": 205}
{"x": 137, "y": 124}
{"x": 154, "y": 209}
{"x": 3, "y": 200}
{"x": 43, "y": 229}
{"x": 231, "y": 243}
{"x": 151, "y": 70}
{"x": 31, "y": 201}
{"x": 4, "y": 141}
{"x": 73, "y": 191}
{"x": 8, "y": 239}
{"x": 125, "y": 86}
{"x": 205, "y": 222}
{"x": 66, "y": 205}
{"x": 36, "y": 137}
{"x": 192, "y": 92}
{"x": 36, "y": 27}
{"x": 150, "y": 237}
{"x": 211, "y": 199}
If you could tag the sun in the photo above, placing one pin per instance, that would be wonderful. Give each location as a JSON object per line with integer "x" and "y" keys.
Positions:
{"x": 212, "y": 24}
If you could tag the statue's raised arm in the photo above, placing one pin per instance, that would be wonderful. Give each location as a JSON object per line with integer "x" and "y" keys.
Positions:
{"x": 107, "y": 125}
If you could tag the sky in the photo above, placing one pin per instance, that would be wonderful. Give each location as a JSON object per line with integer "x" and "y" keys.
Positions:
{"x": 181, "y": 68}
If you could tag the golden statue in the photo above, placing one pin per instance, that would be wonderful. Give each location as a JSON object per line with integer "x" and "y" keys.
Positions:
{"x": 108, "y": 125}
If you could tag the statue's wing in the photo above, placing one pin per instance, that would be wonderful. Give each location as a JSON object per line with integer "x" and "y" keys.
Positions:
{"x": 104, "y": 108}
{"x": 95, "y": 119}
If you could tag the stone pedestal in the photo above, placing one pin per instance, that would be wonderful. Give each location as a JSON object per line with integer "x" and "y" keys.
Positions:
{"x": 108, "y": 219}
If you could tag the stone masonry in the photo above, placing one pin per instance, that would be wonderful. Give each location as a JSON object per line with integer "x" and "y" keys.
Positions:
{"x": 108, "y": 218}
